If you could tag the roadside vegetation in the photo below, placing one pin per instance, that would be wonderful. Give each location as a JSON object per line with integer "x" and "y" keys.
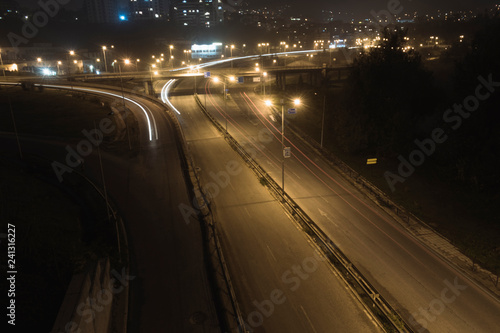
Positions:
{"x": 62, "y": 228}
{"x": 392, "y": 98}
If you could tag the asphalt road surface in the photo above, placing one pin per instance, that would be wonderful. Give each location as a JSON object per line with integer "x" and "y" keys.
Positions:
{"x": 281, "y": 282}
{"x": 429, "y": 293}
{"x": 170, "y": 291}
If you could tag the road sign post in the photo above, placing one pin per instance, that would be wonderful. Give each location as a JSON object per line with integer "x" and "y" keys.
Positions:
{"x": 287, "y": 152}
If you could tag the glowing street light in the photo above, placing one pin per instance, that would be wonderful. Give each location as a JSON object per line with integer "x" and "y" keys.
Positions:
{"x": 104, "y": 48}
{"x": 285, "y": 150}
{"x": 224, "y": 83}
{"x": 232, "y": 47}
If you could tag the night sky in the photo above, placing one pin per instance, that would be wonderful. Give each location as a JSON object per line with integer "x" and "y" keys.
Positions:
{"x": 359, "y": 7}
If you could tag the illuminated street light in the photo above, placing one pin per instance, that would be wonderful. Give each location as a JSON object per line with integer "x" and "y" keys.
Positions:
{"x": 104, "y": 56}
{"x": 264, "y": 76}
{"x": 268, "y": 103}
{"x": 224, "y": 83}
{"x": 232, "y": 47}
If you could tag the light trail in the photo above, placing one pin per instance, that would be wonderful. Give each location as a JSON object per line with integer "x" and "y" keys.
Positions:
{"x": 150, "y": 127}
{"x": 164, "y": 94}
{"x": 254, "y": 56}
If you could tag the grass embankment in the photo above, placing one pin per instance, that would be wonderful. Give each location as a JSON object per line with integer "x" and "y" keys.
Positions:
{"x": 60, "y": 227}
{"x": 64, "y": 114}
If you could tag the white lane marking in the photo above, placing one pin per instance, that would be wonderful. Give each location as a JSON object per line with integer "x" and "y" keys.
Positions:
{"x": 309, "y": 320}
{"x": 272, "y": 255}
{"x": 115, "y": 95}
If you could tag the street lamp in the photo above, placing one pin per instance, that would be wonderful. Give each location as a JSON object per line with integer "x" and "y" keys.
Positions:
{"x": 232, "y": 47}
{"x": 170, "y": 48}
{"x": 264, "y": 76}
{"x": 104, "y": 56}
{"x": 1, "y": 62}
{"x": 224, "y": 95}
{"x": 285, "y": 150}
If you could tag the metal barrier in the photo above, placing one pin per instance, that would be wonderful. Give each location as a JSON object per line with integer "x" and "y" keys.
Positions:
{"x": 386, "y": 316}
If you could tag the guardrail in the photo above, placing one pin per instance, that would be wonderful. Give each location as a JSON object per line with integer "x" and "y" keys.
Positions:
{"x": 213, "y": 239}
{"x": 385, "y": 315}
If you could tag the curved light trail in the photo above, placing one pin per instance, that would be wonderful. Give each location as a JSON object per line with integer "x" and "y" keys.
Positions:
{"x": 164, "y": 94}
{"x": 150, "y": 126}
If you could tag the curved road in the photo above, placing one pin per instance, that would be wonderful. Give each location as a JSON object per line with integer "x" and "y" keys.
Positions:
{"x": 170, "y": 291}
{"x": 430, "y": 294}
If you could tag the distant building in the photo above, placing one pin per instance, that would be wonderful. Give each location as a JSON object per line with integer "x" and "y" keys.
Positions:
{"x": 102, "y": 11}
{"x": 148, "y": 9}
{"x": 197, "y": 13}
{"x": 8, "y": 8}
{"x": 206, "y": 51}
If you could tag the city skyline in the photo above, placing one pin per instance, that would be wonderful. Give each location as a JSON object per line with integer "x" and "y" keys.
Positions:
{"x": 358, "y": 7}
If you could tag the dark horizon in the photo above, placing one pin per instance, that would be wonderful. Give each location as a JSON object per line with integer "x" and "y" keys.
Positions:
{"x": 361, "y": 8}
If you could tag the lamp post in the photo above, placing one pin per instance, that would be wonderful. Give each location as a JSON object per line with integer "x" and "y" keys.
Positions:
{"x": 1, "y": 62}
{"x": 232, "y": 47}
{"x": 104, "y": 57}
{"x": 224, "y": 95}
{"x": 126, "y": 61}
{"x": 323, "y": 118}
{"x": 296, "y": 102}
{"x": 264, "y": 76}
{"x": 70, "y": 53}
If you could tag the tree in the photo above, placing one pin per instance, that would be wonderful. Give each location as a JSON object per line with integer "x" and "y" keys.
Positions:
{"x": 472, "y": 151}
{"x": 386, "y": 95}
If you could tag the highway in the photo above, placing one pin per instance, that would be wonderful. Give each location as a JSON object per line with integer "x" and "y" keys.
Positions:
{"x": 282, "y": 283}
{"x": 170, "y": 291}
{"x": 431, "y": 295}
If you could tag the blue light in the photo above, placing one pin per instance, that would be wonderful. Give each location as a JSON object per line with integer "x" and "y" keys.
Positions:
{"x": 123, "y": 18}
